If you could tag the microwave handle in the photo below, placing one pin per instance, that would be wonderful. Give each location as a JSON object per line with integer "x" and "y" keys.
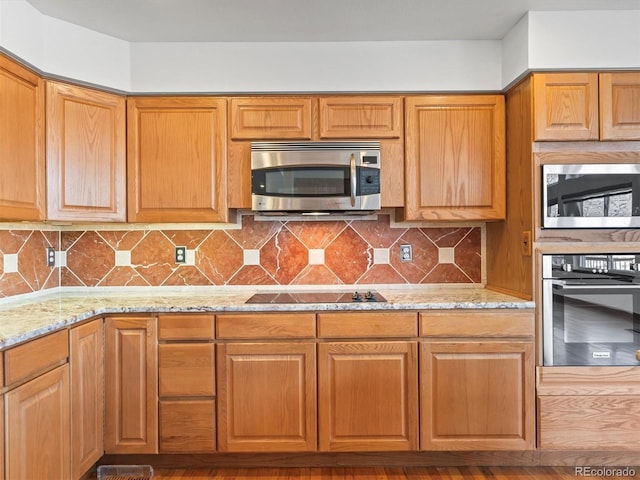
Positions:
{"x": 354, "y": 184}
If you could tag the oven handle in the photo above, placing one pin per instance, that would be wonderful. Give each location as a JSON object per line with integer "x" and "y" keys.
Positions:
{"x": 568, "y": 286}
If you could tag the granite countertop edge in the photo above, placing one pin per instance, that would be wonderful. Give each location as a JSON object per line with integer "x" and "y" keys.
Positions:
{"x": 35, "y": 316}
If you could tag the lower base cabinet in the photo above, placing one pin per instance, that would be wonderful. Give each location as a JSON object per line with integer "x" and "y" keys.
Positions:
{"x": 368, "y": 396}
{"x": 477, "y": 395}
{"x": 131, "y": 385}
{"x": 477, "y": 380}
{"x": 86, "y": 361}
{"x": 588, "y": 408}
{"x": 37, "y": 428}
{"x": 267, "y": 397}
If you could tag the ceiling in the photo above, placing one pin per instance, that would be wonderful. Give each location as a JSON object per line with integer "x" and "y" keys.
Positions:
{"x": 307, "y": 20}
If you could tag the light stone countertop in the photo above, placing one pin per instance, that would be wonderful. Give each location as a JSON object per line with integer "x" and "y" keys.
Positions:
{"x": 24, "y": 319}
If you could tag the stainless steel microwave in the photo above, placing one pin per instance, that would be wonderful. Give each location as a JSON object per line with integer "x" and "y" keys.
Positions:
{"x": 315, "y": 177}
{"x": 591, "y": 195}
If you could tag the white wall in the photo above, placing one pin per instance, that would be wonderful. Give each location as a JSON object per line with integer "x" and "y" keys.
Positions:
{"x": 515, "y": 51}
{"x": 63, "y": 49}
{"x": 540, "y": 40}
{"x": 316, "y": 66}
{"x": 591, "y": 39}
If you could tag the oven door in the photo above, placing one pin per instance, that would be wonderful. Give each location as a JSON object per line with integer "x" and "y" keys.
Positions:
{"x": 591, "y": 196}
{"x": 588, "y": 323}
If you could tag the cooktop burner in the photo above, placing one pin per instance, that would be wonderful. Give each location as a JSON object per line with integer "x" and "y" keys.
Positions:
{"x": 317, "y": 297}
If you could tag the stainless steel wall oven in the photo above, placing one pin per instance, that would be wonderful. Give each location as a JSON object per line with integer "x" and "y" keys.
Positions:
{"x": 591, "y": 309}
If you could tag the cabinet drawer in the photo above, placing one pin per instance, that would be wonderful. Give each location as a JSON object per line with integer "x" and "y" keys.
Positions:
{"x": 369, "y": 324}
{"x": 266, "y": 325}
{"x": 186, "y": 327}
{"x": 477, "y": 323}
{"x": 187, "y": 426}
{"x": 592, "y": 422}
{"x": 35, "y": 356}
{"x": 186, "y": 369}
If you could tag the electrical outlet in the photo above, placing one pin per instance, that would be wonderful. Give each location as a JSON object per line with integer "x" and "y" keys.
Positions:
{"x": 51, "y": 257}
{"x": 181, "y": 254}
{"x": 406, "y": 253}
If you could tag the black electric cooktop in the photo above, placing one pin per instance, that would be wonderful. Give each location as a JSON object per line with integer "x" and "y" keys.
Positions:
{"x": 316, "y": 297}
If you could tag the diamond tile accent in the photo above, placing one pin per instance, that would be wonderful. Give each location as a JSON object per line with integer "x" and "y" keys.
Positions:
{"x": 261, "y": 252}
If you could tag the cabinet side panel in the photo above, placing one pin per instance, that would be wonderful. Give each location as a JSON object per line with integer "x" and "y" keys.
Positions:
{"x": 87, "y": 396}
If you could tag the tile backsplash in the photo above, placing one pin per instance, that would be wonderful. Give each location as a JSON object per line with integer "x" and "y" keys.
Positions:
{"x": 259, "y": 252}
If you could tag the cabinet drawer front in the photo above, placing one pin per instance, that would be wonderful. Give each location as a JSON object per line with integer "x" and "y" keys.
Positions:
{"x": 360, "y": 117}
{"x": 186, "y": 369}
{"x": 187, "y": 426}
{"x": 186, "y": 327}
{"x": 256, "y": 118}
{"x": 35, "y": 356}
{"x": 370, "y": 325}
{"x": 267, "y": 325}
{"x": 589, "y": 422}
{"x": 477, "y": 323}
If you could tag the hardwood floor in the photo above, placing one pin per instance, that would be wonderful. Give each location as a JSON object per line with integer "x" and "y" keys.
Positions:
{"x": 378, "y": 473}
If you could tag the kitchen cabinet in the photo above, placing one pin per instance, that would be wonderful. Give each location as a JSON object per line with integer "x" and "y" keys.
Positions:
{"x": 266, "y": 382}
{"x": 86, "y": 154}
{"x": 36, "y": 414}
{"x": 131, "y": 385}
{"x": 22, "y": 143}
{"x": 86, "y": 360}
{"x": 588, "y": 408}
{"x": 619, "y": 105}
{"x": 455, "y": 157}
{"x": 367, "y": 388}
{"x": 177, "y": 159}
{"x": 477, "y": 380}
{"x": 587, "y": 106}
{"x": 270, "y": 118}
{"x": 566, "y": 106}
{"x": 331, "y": 117}
{"x": 186, "y": 383}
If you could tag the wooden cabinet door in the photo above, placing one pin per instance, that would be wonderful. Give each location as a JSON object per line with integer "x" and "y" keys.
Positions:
{"x": 374, "y": 117}
{"x": 270, "y": 118}
{"x": 37, "y": 423}
{"x": 22, "y": 150}
{"x": 368, "y": 396}
{"x": 565, "y": 106}
{"x": 86, "y": 358}
{"x": 266, "y": 397}
{"x": 455, "y": 157}
{"x": 86, "y": 154}
{"x": 176, "y": 159}
{"x": 477, "y": 395}
{"x": 620, "y": 106}
{"x": 131, "y": 385}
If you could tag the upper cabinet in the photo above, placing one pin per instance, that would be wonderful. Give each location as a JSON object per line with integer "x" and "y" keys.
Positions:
{"x": 270, "y": 118}
{"x": 455, "y": 157}
{"x": 177, "y": 159}
{"x": 620, "y": 106}
{"x": 332, "y": 117}
{"x": 86, "y": 154}
{"x": 22, "y": 152}
{"x": 375, "y": 117}
{"x": 586, "y": 106}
